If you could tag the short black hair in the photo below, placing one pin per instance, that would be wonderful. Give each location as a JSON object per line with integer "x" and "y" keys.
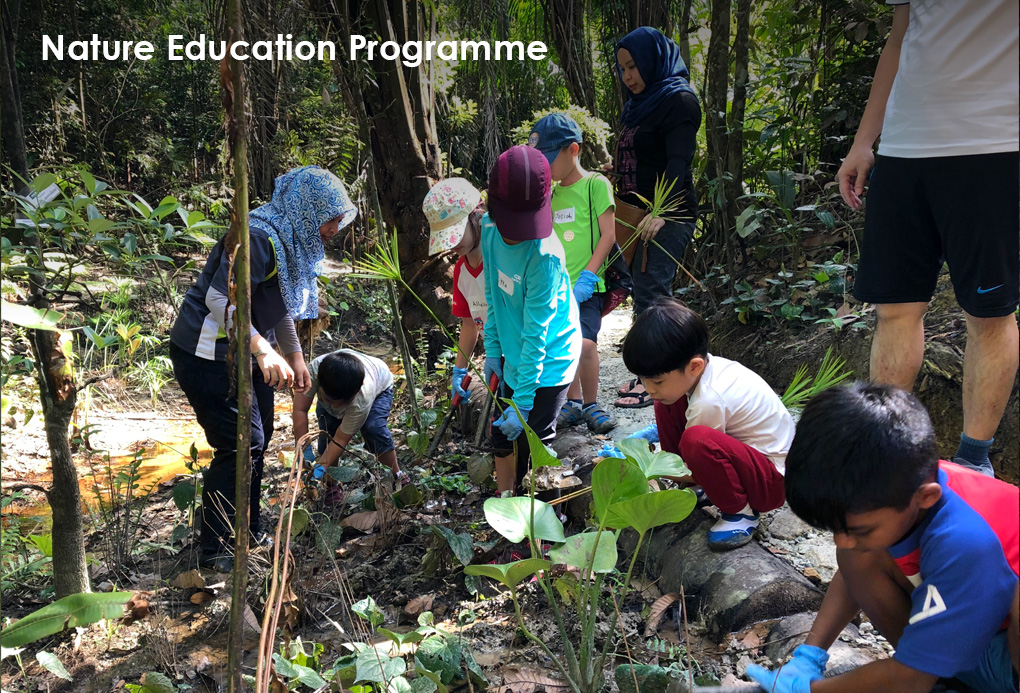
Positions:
{"x": 858, "y": 448}
{"x": 341, "y": 375}
{"x": 665, "y": 337}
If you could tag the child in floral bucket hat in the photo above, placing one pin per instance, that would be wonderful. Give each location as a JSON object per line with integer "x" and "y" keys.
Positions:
{"x": 454, "y": 210}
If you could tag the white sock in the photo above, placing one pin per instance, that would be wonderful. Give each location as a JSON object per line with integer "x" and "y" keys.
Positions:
{"x": 746, "y": 510}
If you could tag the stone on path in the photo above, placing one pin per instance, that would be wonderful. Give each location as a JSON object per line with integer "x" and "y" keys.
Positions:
{"x": 850, "y": 648}
{"x": 785, "y": 525}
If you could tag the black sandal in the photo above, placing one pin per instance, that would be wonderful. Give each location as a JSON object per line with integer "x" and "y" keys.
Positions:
{"x": 643, "y": 400}
{"x": 630, "y": 386}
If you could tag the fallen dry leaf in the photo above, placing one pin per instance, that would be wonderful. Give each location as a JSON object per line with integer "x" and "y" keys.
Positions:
{"x": 658, "y": 611}
{"x": 419, "y": 604}
{"x": 365, "y": 521}
{"x": 518, "y": 680}
{"x": 192, "y": 579}
{"x": 200, "y": 597}
{"x": 812, "y": 575}
{"x": 250, "y": 620}
{"x": 751, "y": 641}
{"x": 138, "y": 606}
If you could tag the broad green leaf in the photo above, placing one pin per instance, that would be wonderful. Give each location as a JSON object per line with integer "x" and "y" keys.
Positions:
{"x": 343, "y": 473}
{"x": 541, "y": 454}
{"x": 401, "y": 638}
{"x": 157, "y": 683}
{"x": 89, "y": 180}
{"x": 308, "y": 677}
{"x": 653, "y": 464}
{"x": 73, "y": 610}
{"x": 461, "y": 544}
{"x": 184, "y": 494}
{"x": 50, "y": 663}
{"x": 614, "y": 480}
{"x": 43, "y": 181}
{"x": 43, "y": 542}
{"x": 27, "y": 316}
{"x": 512, "y": 518}
{"x": 283, "y": 667}
{"x": 578, "y": 549}
{"x": 375, "y": 666}
{"x": 651, "y": 510}
{"x": 509, "y": 574}
{"x": 441, "y": 655}
{"x": 299, "y": 521}
{"x": 432, "y": 676}
{"x": 329, "y": 535}
{"x": 399, "y": 685}
{"x": 423, "y": 684}
{"x": 101, "y": 225}
{"x": 370, "y": 611}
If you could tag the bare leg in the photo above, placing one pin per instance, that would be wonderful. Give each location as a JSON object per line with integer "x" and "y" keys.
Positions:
{"x": 897, "y": 349}
{"x": 390, "y": 460}
{"x": 879, "y": 587}
{"x": 588, "y": 371}
{"x": 506, "y": 473}
{"x": 989, "y": 367}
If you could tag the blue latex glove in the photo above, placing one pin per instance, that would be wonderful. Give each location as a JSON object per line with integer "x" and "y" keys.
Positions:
{"x": 510, "y": 424}
{"x": 609, "y": 450}
{"x": 309, "y": 455}
{"x": 318, "y": 472}
{"x": 455, "y": 387}
{"x": 807, "y": 665}
{"x": 493, "y": 365}
{"x": 585, "y": 286}
{"x": 649, "y": 433}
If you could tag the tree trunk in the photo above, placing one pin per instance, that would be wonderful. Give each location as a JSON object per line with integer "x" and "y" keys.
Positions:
{"x": 400, "y": 110}
{"x": 684, "y": 31}
{"x": 52, "y": 351}
{"x": 10, "y": 96}
{"x": 717, "y": 73}
{"x": 735, "y": 136}
{"x": 568, "y": 34}
{"x": 653, "y": 13}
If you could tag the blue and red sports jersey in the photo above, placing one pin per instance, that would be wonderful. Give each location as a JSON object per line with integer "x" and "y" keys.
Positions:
{"x": 963, "y": 561}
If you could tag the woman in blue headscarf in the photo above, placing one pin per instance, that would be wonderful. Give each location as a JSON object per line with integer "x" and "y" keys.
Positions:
{"x": 660, "y": 124}
{"x": 310, "y": 205}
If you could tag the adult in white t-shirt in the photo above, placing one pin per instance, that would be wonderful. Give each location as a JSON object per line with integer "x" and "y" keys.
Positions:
{"x": 945, "y": 188}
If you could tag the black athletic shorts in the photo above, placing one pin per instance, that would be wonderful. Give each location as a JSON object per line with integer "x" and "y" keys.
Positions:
{"x": 961, "y": 210}
{"x": 542, "y": 419}
{"x": 590, "y": 314}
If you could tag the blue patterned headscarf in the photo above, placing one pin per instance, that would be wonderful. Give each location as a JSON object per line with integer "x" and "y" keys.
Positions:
{"x": 304, "y": 199}
{"x": 662, "y": 68}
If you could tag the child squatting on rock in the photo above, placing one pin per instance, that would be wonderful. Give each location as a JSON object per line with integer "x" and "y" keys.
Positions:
{"x": 532, "y": 336}
{"x": 454, "y": 210}
{"x": 722, "y": 418}
{"x": 353, "y": 392}
{"x": 926, "y": 548}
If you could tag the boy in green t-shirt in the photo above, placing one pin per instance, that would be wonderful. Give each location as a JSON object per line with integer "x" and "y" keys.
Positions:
{"x": 584, "y": 220}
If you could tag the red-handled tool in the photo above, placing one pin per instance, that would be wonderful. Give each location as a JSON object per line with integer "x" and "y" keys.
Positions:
{"x": 454, "y": 403}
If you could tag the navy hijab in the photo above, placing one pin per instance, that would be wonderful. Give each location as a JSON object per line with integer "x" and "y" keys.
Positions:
{"x": 662, "y": 68}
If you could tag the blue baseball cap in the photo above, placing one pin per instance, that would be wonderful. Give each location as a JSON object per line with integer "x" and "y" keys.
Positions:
{"x": 554, "y": 132}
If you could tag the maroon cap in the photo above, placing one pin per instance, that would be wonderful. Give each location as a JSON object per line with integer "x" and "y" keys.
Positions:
{"x": 519, "y": 194}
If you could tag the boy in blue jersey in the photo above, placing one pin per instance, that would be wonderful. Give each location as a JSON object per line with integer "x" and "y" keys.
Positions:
{"x": 532, "y": 333}
{"x": 926, "y": 548}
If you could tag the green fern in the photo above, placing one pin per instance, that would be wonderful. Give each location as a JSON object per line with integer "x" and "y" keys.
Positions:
{"x": 803, "y": 387}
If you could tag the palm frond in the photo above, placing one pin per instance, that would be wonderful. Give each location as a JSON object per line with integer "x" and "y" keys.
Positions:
{"x": 803, "y": 387}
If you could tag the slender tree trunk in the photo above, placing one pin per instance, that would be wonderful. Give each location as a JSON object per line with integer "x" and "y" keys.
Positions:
{"x": 735, "y": 136}
{"x": 52, "y": 351}
{"x": 717, "y": 78}
{"x": 684, "y": 30}
{"x": 569, "y": 36}
{"x": 237, "y": 139}
{"x": 10, "y": 96}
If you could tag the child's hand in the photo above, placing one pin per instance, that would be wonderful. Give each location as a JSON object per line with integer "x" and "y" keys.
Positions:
{"x": 493, "y": 364}
{"x": 455, "y": 384}
{"x": 649, "y": 433}
{"x": 302, "y": 378}
{"x": 585, "y": 286}
{"x": 510, "y": 424}
{"x": 807, "y": 665}
{"x": 854, "y": 173}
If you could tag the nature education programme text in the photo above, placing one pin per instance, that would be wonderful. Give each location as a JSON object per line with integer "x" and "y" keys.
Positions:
{"x": 411, "y": 53}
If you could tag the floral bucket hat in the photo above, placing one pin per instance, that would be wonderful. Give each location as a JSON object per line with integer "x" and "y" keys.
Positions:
{"x": 448, "y": 207}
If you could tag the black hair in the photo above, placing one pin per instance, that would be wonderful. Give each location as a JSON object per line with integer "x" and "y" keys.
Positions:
{"x": 664, "y": 337}
{"x": 341, "y": 375}
{"x": 858, "y": 448}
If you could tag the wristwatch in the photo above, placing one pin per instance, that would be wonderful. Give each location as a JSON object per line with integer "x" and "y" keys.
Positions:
{"x": 260, "y": 352}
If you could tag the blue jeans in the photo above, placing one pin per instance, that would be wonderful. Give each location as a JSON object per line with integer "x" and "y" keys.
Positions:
{"x": 994, "y": 673}
{"x": 657, "y": 278}
{"x": 375, "y": 430}
{"x": 206, "y": 385}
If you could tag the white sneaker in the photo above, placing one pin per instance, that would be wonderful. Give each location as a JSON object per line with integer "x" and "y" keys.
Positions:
{"x": 732, "y": 531}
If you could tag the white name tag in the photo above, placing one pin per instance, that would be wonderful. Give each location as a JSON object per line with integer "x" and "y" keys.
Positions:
{"x": 505, "y": 283}
{"x": 563, "y": 216}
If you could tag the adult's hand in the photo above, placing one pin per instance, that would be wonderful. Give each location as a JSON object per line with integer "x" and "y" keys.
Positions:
{"x": 853, "y": 174}
{"x": 275, "y": 369}
{"x": 650, "y": 226}
{"x": 302, "y": 378}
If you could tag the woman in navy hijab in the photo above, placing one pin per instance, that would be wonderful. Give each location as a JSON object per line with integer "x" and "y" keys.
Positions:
{"x": 660, "y": 125}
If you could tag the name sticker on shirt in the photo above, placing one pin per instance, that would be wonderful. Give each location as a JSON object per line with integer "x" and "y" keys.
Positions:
{"x": 563, "y": 216}
{"x": 505, "y": 283}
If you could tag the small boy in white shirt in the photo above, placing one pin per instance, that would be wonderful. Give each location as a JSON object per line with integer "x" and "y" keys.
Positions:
{"x": 355, "y": 393}
{"x": 723, "y": 419}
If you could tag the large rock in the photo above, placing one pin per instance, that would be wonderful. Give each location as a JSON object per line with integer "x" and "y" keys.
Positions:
{"x": 820, "y": 553}
{"x": 730, "y": 589}
{"x": 786, "y": 635}
{"x": 785, "y": 525}
{"x": 572, "y": 448}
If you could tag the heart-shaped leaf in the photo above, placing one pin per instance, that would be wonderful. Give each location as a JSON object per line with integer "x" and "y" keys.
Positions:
{"x": 370, "y": 611}
{"x": 376, "y": 666}
{"x": 577, "y": 551}
{"x": 614, "y": 480}
{"x": 653, "y": 464}
{"x": 461, "y": 544}
{"x": 509, "y": 574}
{"x": 512, "y": 518}
{"x": 651, "y": 510}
